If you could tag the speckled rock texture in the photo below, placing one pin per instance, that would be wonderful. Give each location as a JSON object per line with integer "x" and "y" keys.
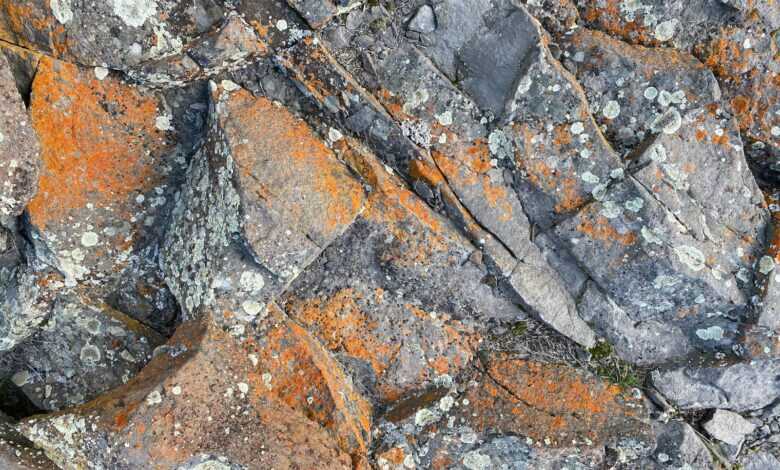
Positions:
{"x": 389, "y": 234}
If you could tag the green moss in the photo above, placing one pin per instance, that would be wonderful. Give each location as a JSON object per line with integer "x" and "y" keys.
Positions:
{"x": 608, "y": 366}
{"x": 519, "y": 328}
{"x": 601, "y": 350}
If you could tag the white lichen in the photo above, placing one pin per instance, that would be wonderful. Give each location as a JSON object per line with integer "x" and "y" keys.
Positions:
{"x": 61, "y": 10}
{"x": 134, "y": 12}
{"x": 611, "y": 109}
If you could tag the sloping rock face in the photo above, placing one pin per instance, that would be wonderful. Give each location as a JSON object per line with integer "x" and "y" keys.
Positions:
{"x": 465, "y": 234}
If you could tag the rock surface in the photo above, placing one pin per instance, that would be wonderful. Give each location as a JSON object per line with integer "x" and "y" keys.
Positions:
{"x": 389, "y": 234}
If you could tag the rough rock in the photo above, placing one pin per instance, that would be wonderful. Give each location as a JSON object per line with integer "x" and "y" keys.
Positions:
{"x": 739, "y": 387}
{"x": 520, "y": 413}
{"x": 105, "y": 149}
{"x": 289, "y": 211}
{"x": 728, "y": 427}
{"x": 679, "y": 445}
{"x": 760, "y": 461}
{"x": 201, "y": 394}
{"x": 80, "y": 352}
{"x": 406, "y": 282}
{"x": 19, "y": 148}
{"x": 17, "y": 452}
{"x": 118, "y": 34}
{"x": 315, "y": 12}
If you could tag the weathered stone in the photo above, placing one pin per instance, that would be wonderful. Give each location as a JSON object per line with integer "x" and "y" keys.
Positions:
{"x": 119, "y": 34}
{"x": 520, "y": 413}
{"x": 644, "y": 82}
{"x": 277, "y": 185}
{"x": 201, "y": 394}
{"x": 424, "y": 21}
{"x": 759, "y": 461}
{"x": 25, "y": 302}
{"x": 19, "y": 148}
{"x": 667, "y": 222}
{"x": 316, "y": 12}
{"x": 550, "y": 403}
{"x": 103, "y": 181}
{"x": 678, "y": 445}
{"x": 407, "y": 279}
{"x": 739, "y": 387}
{"x": 736, "y": 45}
{"x": 80, "y": 352}
{"x": 18, "y": 453}
{"x": 728, "y": 427}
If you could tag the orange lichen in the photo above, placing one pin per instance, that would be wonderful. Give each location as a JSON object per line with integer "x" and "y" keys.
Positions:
{"x": 600, "y": 229}
{"x": 298, "y": 156}
{"x": 545, "y": 401}
{"x": 95, "y": 136}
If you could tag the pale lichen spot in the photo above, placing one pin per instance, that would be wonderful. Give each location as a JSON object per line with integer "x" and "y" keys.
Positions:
{"x": 445, "y": 404}
{"x": 281, "y": 25}
{"x": 89, "y": 239}
{"x": 101, "y": 73}
{"x": 775, "y": 131}
{"x": 477, "y": 461}
{"x": 134, "y": 12}
{"x": 691, "y": 257}
{"x": 176, "y": 390}
{"x": 766, "y": 264}
{"x": 650, "y": 236}
{"x": 424, "y": 417}
{"x": 664, "y": 31}
{"x": 445, "y": 118}
{"x": 154, "y": 398}
{"x": 635, "y": 204}
{"x": 243, "y": 387}
{"x": 61, "y": 10}
{"x": 267, "y": 378}
{"x": 251, "y": 281}
{"x": 577, "y": 128}
{"x": 651, "y": 93}
{"x": 163, "y": 123}
{"x": 589, "y": 177}
{"x": 713, "y": 333}
{"x": 20, "y": 378}
{"x": 90, "y": 354}
{"x": 611, "y": 109}
{"x": 334, "y": 135}
{"x": 611, "y": 210}
{"x": 251, "y": 307}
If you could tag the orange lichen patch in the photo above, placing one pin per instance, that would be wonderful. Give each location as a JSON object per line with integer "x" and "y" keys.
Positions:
{"x": 202, "y": 416}
{"x": 342, "y": 326}
{"x": 546, "y": 401}
{"x": 607, "y": 15}
{"x": 597, "y": 227}
{"x": 347, "y": 322}
{"x": 279, "y": 157}
{"x": 424, "y": 171}
{"x": 18, "y": 19}
{"x": 395, "y": 456}
{"x": 303, "y": 375}
{"x": 571, "y": 196}
{"x": 96, "y": 137}
{"x": 726, "y": 58}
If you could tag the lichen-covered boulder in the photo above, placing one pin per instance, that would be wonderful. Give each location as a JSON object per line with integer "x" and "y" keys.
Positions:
{"x": 203, "y": 393}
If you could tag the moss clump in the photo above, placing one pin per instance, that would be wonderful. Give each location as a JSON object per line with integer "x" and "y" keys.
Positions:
{"x": 601, "y": 350}
{"x": 609, "y": 367}
{"x": 519, "y": 329}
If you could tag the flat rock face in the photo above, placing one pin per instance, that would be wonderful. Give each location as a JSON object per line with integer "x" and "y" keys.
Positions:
{"x": 463, "y": 234}
{"x": 19, "y": 148}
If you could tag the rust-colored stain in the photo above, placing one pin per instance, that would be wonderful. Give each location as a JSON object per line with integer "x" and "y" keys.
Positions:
{"x": 95, "y": 136}
{"x": 600, "y": 229}
{"x": 262, "y": 132}
{"x": 550, "y": 401}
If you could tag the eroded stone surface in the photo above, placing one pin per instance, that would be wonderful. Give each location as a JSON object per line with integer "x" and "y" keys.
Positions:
{"x": 19, "y": 148}
{"x": 199, "y": 395}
